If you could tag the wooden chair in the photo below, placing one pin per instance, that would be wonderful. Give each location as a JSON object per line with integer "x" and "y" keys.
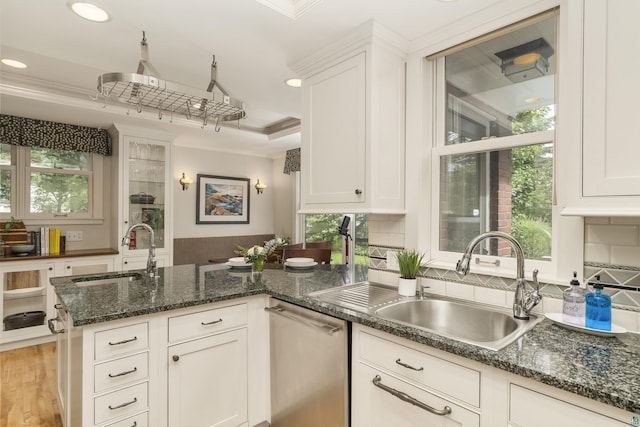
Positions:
{"x": 324, "y": 244}
{"x": 320, "y": 255}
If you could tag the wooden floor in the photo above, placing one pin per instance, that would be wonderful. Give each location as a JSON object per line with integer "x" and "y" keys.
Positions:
{"x": 28, "y": 388}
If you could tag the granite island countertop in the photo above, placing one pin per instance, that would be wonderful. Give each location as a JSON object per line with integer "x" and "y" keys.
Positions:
{"x": 605, "y": 369}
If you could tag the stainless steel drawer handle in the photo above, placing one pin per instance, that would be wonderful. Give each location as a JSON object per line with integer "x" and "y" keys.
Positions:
{"x": 122, "y": 405}
{"x": 211, "y": 323}
{"x": 404, "y": 365}
{"x": 328, "y": 328}
{"x": 123, "y": 341}
{"x": 377, "y": 381}
{"x": 52, "y": 328}
{"x": 124, "y": 373}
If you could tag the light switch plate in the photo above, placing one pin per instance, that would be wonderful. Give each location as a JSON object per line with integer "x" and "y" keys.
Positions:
{"x": 74, "y": 236}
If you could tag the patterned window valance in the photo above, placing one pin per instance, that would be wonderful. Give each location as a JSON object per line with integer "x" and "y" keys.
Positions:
{"x": 57, "y": 136}
{"x": 292, "y": 161}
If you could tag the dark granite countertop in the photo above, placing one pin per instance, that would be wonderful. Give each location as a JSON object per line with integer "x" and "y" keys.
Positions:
{"x": 605, "y": 369}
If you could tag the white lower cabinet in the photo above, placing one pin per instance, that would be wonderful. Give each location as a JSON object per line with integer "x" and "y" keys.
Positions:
{"x": 182, "y": 368}
{"x": 400, "y": 404}
{"x": 208, "y": 381}
{"x": 397, "y": 385}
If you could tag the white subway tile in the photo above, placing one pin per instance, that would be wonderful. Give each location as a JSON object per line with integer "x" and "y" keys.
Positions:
{"x": 623, "y": 235}
{"x": 397, "y": 240}
{"x": 625, "y": 255}
{"x": 460, "y": 290}
{"x": 552, "y": 305}
{"x": 438, "y": 287}
{"x": 378, "y": 239}
{"x": 388, "y": 278}
{"x": 490, "y": 296}
{"x": 595, "y": 252}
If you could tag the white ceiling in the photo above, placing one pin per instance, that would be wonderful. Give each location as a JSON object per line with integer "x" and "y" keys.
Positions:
{"x": 254, "y": 41}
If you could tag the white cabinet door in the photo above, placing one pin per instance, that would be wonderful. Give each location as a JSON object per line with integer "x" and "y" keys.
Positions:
{"x": 333, "y": 153}
{"x": 374, "y": 406}
{"x": 353, "y": 128}
{"x": 207, "y": 383}
{"x": 140, "y": 263}
{"x": 525, "y": 405}
{"x": 88, "y": 266}
{"x": 610, "y": 150}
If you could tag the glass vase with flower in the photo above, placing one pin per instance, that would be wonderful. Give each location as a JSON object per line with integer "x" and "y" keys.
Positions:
{"x": 257, "y": 255}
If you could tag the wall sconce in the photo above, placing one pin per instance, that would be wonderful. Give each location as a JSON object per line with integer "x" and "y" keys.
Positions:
{"x": 526, "y": 61}
{"x": 184, "y": 181}
{"x": 260, "y": 187}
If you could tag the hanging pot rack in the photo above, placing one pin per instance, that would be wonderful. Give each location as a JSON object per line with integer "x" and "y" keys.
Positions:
{"x": 146, "y": 90}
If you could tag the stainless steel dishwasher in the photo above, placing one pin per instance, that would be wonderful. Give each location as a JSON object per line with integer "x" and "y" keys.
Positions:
{"x": 309, "y": 368}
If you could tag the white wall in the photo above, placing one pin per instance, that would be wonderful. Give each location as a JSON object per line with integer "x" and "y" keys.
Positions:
{"x": 192, "y": 162}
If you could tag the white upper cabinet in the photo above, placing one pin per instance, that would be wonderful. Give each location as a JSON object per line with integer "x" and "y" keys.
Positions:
{"x": 610, "y": 167}
{"x": 353, "y": 143}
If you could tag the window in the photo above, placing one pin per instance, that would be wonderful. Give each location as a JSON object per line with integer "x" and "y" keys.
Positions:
{"x": 57, "y": 183}
{"x": 494, "y": 144}
{"x": 321, "y": 227}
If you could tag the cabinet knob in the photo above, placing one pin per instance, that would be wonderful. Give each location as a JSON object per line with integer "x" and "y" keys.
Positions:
{"x": 358, "y": 191}
{"x": 175, "y": 357}
{"x": 50, "y": 268}
{"x": 68, "y": 267}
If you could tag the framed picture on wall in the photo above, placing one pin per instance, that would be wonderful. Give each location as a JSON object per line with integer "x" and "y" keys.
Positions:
{"x": 222, "y": 200}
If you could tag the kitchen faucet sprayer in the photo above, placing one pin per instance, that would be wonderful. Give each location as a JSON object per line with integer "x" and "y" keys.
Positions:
{"x": 523, "y": 301}
{"x": 152, "y": 264}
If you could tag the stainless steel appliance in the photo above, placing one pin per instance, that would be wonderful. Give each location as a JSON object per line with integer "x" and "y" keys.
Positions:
{"x": 309, "y": 368}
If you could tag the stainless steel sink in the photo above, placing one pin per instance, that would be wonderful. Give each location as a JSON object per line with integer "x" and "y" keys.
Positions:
{"x": 474, "y": 323}
{"x": 107, "y": 279}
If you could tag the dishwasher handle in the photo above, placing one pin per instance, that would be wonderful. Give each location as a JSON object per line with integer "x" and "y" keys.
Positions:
{"x": 281, "y": 311}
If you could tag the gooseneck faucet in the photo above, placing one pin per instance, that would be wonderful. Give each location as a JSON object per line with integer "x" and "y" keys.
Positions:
{"x": 523, "y": 301}
{"x": 152, "y": 264}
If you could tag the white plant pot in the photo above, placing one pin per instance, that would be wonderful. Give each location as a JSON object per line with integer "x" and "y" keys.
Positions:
{"x": 407, "y": 287}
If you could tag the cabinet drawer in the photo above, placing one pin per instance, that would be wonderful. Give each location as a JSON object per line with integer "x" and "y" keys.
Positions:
{"x": 121, "y": 372}
{"x": 379, "y": 406}
{"x": 119, "y": 341}
{"x": 140, "y": 420}
{"x": 121, "y": 403}
{"x": 206, "y": 322}
{"x": 454, "y": 380}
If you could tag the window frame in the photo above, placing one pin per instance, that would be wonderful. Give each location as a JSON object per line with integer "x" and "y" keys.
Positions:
{"x": 21, "y": 181}
{"x": 436, "y": 79}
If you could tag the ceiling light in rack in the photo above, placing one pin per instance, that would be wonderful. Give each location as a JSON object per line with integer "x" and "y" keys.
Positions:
{"x": 89, "y": 11}
{"x": 13, "y": 63}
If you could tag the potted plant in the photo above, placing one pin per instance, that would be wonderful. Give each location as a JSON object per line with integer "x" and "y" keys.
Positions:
{"x": 409, "y": 262}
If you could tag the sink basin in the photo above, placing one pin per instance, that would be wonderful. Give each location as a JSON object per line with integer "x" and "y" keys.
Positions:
{"x": 107, "y": 279}
{"x": 472, "y": 323}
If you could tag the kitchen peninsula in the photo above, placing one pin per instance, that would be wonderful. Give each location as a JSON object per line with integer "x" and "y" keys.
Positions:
{"x": 595, "y": 377}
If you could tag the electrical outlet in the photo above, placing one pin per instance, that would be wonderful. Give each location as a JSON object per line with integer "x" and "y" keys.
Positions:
{"x": 74, "y": 236}
{"x": 392, "y": 260}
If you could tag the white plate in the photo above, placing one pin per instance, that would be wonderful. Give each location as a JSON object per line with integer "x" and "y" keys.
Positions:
{"x": 557, "y": 318}
{"x": 238, "y": 264}
{"x": 237, "y": 260}
{"x": 300, "y": 265}
{"x": 294, "y": 261}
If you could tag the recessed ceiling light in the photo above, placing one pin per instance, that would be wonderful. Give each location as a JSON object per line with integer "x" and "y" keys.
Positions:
{"x": 13, "y": 63}
{"x": 89, "y": 11}
{"x": 294, "y": 82}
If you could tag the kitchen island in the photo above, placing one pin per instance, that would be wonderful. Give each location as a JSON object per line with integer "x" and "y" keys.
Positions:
{"x": 603, "y": 369}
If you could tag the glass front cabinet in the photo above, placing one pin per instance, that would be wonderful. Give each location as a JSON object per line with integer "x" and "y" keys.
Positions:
{"x": 145, "y": 197}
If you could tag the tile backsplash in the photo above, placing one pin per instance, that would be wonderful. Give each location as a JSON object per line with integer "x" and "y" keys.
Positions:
{"x": 611, "y": 250}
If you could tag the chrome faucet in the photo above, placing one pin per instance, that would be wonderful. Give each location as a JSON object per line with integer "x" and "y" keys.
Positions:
{"x": 523, "y": 301}
{"x": 152, "y": 264}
